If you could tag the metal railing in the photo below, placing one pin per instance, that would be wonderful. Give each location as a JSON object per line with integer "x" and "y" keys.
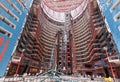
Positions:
{"x": 46, "y": 78}
{"x": 114, "y": 59}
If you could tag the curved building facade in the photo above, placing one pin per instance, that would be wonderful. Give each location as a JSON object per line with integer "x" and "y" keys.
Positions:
{"x": 12, "y": 18}
{"x": 69, "y": 41}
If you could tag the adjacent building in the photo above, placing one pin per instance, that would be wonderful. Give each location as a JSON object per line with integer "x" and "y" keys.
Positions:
{"x": 111, "y": 10}
{"x": 13, "y": 14}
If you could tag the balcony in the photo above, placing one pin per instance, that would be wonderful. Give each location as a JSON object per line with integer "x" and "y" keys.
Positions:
{"x": 16, "y": 59}
{"x": 114, "y": 59}
{"x": 33, "y": 33}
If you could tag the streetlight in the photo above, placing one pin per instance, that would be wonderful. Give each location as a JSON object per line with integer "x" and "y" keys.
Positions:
{"x": 106, "y": 51}
{"x": 20, "y": 62}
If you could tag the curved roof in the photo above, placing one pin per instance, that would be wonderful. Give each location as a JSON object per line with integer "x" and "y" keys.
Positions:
{"x": 62, "y": 5}
{"x": 55, "y": 9}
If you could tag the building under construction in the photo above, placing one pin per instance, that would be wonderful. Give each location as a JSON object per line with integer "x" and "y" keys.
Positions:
{"x": 70, "y": 36}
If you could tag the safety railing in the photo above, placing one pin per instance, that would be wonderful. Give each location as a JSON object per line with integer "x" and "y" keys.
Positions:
{"x": 12, "y": 79}
{"x": 51, "y": 79}
{"x": 115, "y": 59}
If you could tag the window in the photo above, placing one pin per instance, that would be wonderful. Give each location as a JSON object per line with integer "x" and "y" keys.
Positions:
{"x": 13, "y": 15}
{"x": 117, "y": 16}
{"x": 5, "y": 32}
{"x": 14, "y": 6}
{"x": 8, "y": 22}
{"x": 20, "y": 2}
{"x": 114, "y": 6}
{"x": 9, "y": 12}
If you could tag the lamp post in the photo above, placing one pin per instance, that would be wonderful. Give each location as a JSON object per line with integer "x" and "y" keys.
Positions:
{"x": 19, "y": 62}
{"x": 106, "y": 51}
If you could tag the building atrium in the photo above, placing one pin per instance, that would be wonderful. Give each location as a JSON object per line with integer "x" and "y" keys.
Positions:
{"x": 59, "y": 40}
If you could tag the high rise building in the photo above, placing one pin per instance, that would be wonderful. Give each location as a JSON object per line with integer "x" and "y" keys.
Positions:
{"x": 12, "y": 19}
{"x": 28, "y": 48}
{"x": 90, "y": 43}
{"x": 66, "y": 35}
{"x": 111, "y": 11}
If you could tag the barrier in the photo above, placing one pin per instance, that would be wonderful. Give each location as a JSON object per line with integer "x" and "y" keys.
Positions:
{"x": 51, "y": 79}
